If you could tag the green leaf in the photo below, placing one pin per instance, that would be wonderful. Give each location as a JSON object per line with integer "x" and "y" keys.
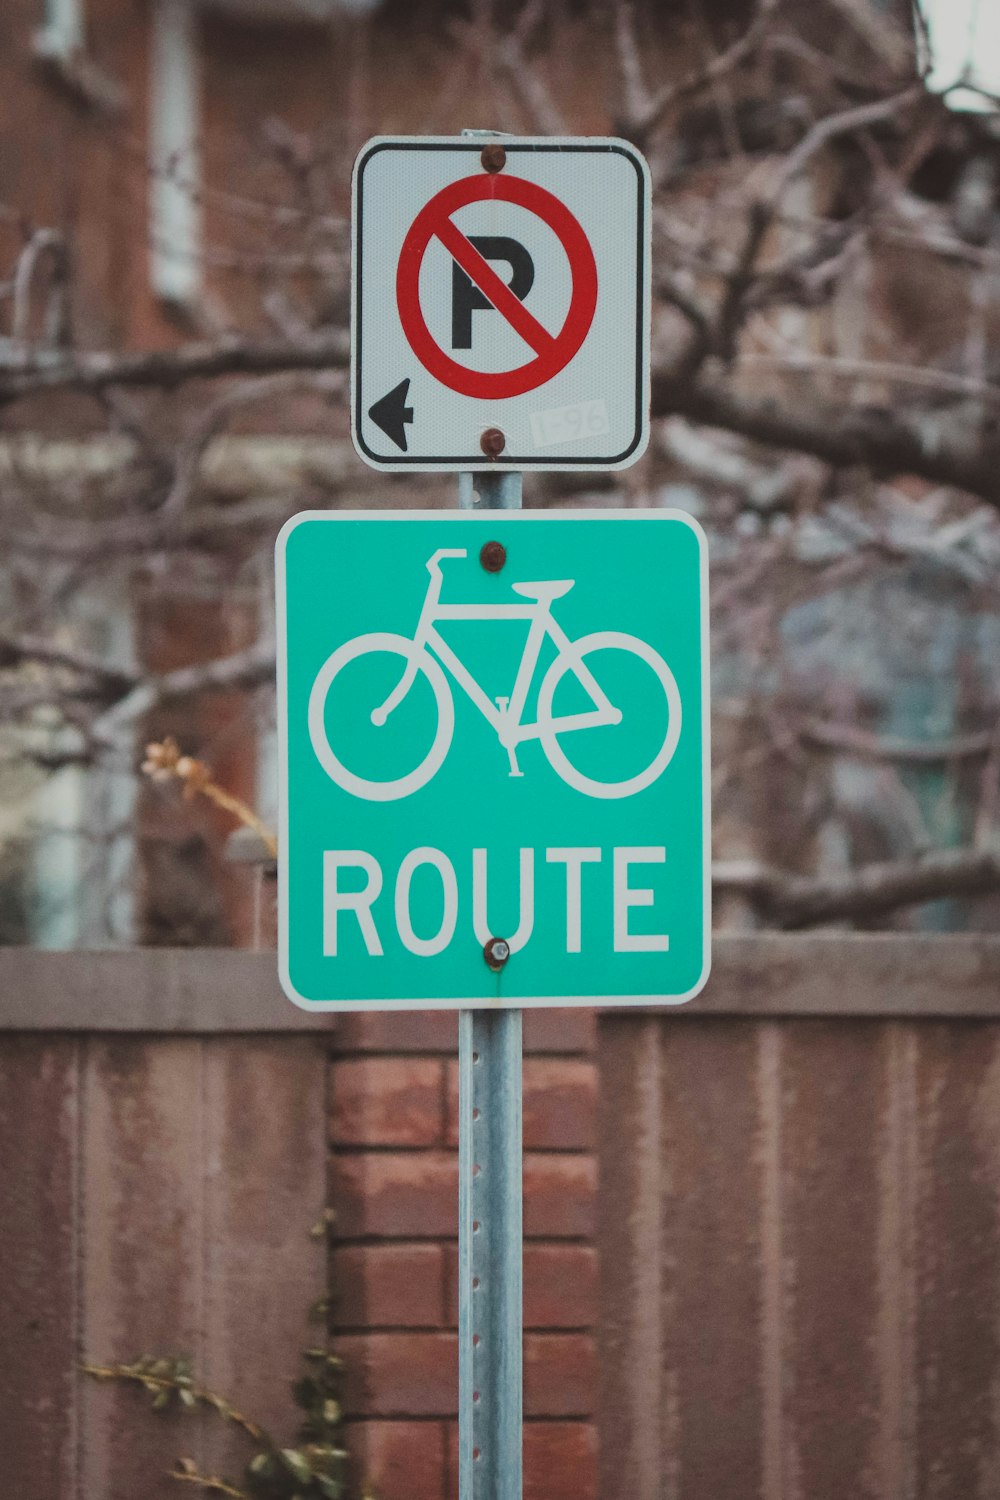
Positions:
{"x": 305, "y": 1392}
{"x": 297, "y": 1465}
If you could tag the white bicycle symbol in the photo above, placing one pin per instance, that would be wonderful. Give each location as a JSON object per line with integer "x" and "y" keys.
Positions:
{"x": 427, "y": 652}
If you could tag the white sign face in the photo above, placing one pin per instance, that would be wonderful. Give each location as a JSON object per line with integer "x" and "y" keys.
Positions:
{"x": 510, "y": 301}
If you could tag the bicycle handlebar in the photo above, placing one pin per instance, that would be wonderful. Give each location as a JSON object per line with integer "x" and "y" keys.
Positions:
{"x": 434, "y": 561}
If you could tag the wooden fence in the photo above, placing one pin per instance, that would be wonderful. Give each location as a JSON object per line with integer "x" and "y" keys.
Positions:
{"x": 163, "y": 1129}
{"x": 799, "y": 1218}
{"x": 800, "y": 1228}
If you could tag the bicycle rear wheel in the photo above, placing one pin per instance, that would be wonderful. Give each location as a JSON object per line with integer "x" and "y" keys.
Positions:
{"x": 380, "y": 643}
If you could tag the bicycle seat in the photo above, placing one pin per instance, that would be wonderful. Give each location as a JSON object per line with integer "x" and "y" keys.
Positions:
{"x": 544, "y": 592}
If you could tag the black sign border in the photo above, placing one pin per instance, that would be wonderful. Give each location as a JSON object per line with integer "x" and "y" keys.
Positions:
{"x": 476, "y": 144}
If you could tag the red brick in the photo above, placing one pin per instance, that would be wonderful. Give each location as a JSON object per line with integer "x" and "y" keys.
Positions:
{"x": 558, "y": 1028}
{"x": 560, "y": 1461}
{"x": 388, "y": 1286}
{"x": 560, "y": 1103}
{"x": 397, "y": 1460}
{"x": 560, "y": 1286}
{"x": 387, "y": 1101}
{"x": 560, "y": 1375}
{"x": 559, "y": 1195}
{"x": 397, "y": 1031}
{"x": 396, "y": 1195}
{"x": 414, "y": 1195}
{"x": 553, "y": 1029}
{"x": 399, "y": 1374}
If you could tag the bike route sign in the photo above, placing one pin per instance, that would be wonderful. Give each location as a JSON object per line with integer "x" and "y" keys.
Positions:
{"x": 501, "y": 286}
{"x": 492, "y": 727}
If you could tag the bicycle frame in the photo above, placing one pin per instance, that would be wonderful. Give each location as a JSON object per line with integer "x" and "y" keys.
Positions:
{"x": 506, "y": 715}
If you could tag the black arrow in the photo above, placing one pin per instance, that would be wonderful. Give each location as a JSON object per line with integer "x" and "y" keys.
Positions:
{"x": 391, "y": 414}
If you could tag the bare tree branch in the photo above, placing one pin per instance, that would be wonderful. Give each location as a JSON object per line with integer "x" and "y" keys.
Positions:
{"x": 849, "y": 740}
{"x": 794, "y": 901}
{"x": 244, "y": 669}
{"x": 32, "y": 371}
{"x": 15, "y": 650}
{"x": 846, "y": 122}
{"x": 888, "y": 442}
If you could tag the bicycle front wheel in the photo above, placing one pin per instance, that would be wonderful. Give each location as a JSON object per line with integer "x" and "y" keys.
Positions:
{"x": 366, "y": 696}
{"x": 663, "y": 702}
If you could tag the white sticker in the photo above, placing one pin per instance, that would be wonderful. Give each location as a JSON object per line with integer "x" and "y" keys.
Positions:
{"x": 568, "y": 424}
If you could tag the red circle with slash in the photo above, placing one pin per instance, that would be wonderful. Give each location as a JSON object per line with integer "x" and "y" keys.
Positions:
{"x": 552, "y": 353}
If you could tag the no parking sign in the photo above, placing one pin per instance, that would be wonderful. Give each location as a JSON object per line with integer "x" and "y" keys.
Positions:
{"x": 500, "y": 303}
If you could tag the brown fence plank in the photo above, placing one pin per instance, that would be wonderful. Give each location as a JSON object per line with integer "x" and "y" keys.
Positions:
{"x": 832, "y": 1078}
{"x": 711, "y": 1236}
{"x": 38, "y": 1123}
{"x": 958, "y": 1435}
{"x": 629, "y": 1233}
{"x": 266, "y": 1168}
{"x": 143, "y": 1253}
{"x": 680, "y": 1258}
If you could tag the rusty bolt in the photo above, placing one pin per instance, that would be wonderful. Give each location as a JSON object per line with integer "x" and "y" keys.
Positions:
{"x": 496, "y": 953}
{"x": 493, "y": 556}
{"x": 493, "y": 158}
{"x": 492, "y": 442}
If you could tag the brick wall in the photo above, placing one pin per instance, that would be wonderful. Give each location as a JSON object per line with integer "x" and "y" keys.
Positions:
{"x": 394, "y": 1260}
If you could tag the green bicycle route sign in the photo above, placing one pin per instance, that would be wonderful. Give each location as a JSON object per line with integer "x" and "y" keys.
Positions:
{"x": 492, "y": 726}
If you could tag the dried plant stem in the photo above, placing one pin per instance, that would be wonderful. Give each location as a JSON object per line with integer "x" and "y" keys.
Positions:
{"x": 164, "y": 761}
{"x": 211, "y": 1483}
{"x": 228, "y": 803}
{"x": 198, "y": 1393}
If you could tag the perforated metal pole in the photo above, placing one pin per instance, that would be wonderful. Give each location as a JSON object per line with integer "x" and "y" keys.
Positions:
{"x": 489, "y": 1204}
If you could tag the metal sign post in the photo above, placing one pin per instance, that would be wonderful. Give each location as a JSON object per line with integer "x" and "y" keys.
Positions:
{"x": 432, "y": 828}
{"x": 489, "y": 1203}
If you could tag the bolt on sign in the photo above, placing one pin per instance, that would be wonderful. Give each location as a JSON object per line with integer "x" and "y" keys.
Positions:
{"x": 500, "y": 303}
{"x": 493, "y": 739}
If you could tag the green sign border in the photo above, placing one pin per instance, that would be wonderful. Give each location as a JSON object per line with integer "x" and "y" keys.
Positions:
{"x": 478, "y": 518}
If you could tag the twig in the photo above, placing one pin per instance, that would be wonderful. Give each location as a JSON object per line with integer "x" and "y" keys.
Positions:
{"x": 43, "y": 242}
{"x": 636, "y": 96}
{"x": 164, "y": 760}
{"x": 941, "y": 381}
{"x": 248, "y": 392}
{"x": 507, "y": 54}
{"x": 641, "y": 125}
{"x": 831, "y": 128}
{"x": 209, "y": 1482}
